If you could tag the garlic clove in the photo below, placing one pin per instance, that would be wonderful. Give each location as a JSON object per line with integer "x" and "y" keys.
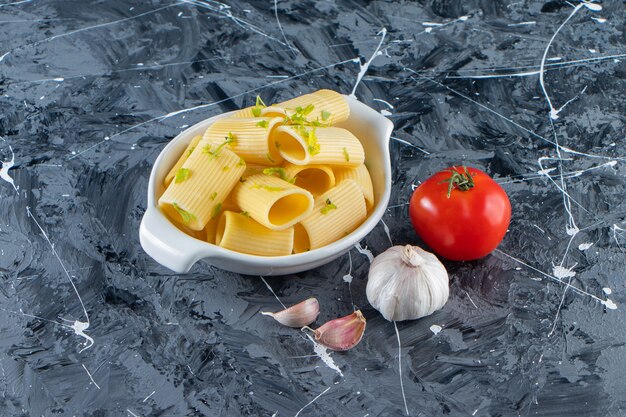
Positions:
{"x": 341, "y": 334}
{"x": 298, "y": 315}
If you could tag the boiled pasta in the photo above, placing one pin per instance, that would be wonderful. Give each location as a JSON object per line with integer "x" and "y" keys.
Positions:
{"x": 322, "y": 145}
{"x": 239, "y": 232}
{"x": 181, "y": 160}
{"x": 326, "y": 106}
{"x": 316, "y": 179}
{"x": 272, "y": 180}
{"x": 273, "y": 202}
{"x": 362, "y": 177}
{"x": 249, "y": 138}
{"x": 336, "y": 214}
{"x": 211, "y": 172}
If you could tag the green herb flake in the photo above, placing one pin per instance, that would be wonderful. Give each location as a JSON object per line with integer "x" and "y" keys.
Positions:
{"x": 325, "y": 115}
{"x": 216, "y": 210}
{"x": 225, "y": 168}
{"x": 263, "y": 123}
{"x": 242, "y": 179}
{"x": 241, "y": 163}
{"x": 245, "y": 213}
{"x": 213, "y": 195}
{"x": 190, "y": 150}
{"x": 186, "y": 216}
{"x": 181, "y": 175}
{"x": 311, "y": 140}
{"x": 256, "y": 110}
{"x": 346, "y": 154}
{"x": 282, "y": 174}
{"x": 269, "y": 157}
{"x": 231, "y": 140}
{"x": 214, "y": 154}
{"x": 267, "y": 187}
{"x": 328, "y": 207}
{"x": 307, "y": 110}
{"x": 277, "y": 144}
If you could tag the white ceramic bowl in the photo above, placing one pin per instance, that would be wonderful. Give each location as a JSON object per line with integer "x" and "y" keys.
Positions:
{"x": 178, "y": 251}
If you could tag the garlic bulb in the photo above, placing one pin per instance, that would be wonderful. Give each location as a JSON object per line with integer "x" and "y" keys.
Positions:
{"x": 406, "y": 283}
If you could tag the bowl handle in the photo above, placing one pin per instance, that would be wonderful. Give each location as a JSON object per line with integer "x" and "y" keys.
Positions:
{"x": 167, "y": 245}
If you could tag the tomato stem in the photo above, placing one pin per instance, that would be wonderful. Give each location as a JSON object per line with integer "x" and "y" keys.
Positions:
{"x": 461, "y": 181}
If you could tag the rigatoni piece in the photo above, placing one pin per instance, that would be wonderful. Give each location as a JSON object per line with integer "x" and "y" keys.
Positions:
{"x": 273, "y": 202}
{"x": 243, "y": 113}
{"x": 329, "y": 107}
{"x": 179, "y": 164}
{"x": 322, "y": 145}
{"x": 362, "y": 177}
{"x": 210, "y": 229}
{"x": 317, "y": 179}
{"x": 240, "y": 233}
{"x": 211, "y": 174}
{"x": 336, "y": 213}
{"x": 250, "y": 138}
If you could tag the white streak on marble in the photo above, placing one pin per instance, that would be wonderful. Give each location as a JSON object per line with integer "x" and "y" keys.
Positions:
{"x": 547, "y": 67}
{"x": 563, "y": 148}
{"x": 90, "y": 376}
{"x": 322, "y": 353}
{"x": 386, "y": 228}
{"x": 146, "y": 399}
{"x": 347, "y": 278}
{"x": 435, "y": 328}
{"x": 599, "y": 19}
{"x": 79, "y": 327}
{"x": 312, "y": 401}
{"x": 223, "y": 10}
{"x": 531, "y": 22}
{"x": 554, "y": 113}
{"x": 607, "y": 290}
{"x": 470, "y": 298}
{"x": 75, "y": 154}
{"x": 4, "y": 171}
{"x": 364, "y": 251}
{"x": 406, "y": 408}
{"x": 366, "y": 65}
{"x": 585, "y": 246}
{"x": 63, "y": 35}
{"x": 272, "y": 291}
{"x": 553, "y": 278}
{"x": 131, "y": 413}
{"x": 280, "y": 26}
{"x": 15, "y": 3}
{"x": 384, "y": 102}
{"x": 410, "y": 144}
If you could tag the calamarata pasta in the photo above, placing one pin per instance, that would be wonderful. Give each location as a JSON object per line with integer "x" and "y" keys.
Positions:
{"x": 272, "y": 180}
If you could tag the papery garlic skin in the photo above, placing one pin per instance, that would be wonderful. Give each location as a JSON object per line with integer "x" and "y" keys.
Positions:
{"x": 341, "y": 334}
{"x": 298, "y": 315}
{"x": 406, "y": 283}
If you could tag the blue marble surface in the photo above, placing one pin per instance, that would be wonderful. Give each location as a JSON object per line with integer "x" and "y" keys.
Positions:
{"x": 531, "y": 92}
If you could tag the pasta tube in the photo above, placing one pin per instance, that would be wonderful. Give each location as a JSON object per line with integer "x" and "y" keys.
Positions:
{"x": 316, "y": 179}
{"x": 249, "y": 138}
{"x": 275, "y": 203}
{"x": 329, "y": 107}
{"x": 240, "y": 233}
{"x": 336, "y": 213}
{"x": 362, "y": 177}
{"x": 322, "y": 145}
{"x": 192, "y": 145}
{"x": 209, "y": 176}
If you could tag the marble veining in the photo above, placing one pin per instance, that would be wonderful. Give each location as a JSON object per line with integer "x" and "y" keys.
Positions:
{"x": 532, "y": 92}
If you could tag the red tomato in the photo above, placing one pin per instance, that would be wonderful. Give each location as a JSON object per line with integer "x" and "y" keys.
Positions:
{"x": 464, "y": 222}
